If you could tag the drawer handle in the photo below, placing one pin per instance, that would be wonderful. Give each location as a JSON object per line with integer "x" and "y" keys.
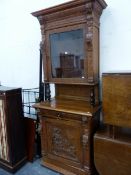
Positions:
{"x": 59, "y": 117}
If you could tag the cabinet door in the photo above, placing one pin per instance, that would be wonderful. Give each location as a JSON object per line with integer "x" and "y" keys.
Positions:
{"x": 4, "y": 147}
{"x": 63, "y": 140}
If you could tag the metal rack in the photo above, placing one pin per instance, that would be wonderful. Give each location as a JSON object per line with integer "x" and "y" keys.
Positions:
{"x": 30, "y": 97}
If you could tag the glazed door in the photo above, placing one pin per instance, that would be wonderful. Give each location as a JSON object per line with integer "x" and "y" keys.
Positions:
{"x": 4, "y": 147}
{"x": 63, "y": 140}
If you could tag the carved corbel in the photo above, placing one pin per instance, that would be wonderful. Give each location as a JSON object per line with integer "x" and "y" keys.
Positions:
{"x": 89, "y": 7}
{"x": 40, "y": 19}
{"x": 89, "y": 34}
{"x": 89, "y": 38}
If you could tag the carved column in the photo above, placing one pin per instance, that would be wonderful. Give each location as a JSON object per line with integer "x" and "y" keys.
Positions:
{"x": 89, "y": 40}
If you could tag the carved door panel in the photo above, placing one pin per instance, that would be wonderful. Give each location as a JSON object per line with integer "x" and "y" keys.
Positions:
{"x": 64, "y": 139}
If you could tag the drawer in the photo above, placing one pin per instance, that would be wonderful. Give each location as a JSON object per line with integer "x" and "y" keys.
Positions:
{"x": 63, "y": 115}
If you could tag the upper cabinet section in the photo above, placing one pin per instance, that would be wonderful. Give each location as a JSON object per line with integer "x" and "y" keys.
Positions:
{"x": 70, "y": 41}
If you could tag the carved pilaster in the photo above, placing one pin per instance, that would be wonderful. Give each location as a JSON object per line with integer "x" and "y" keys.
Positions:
{"x": 89, "y": 39}
{"x": 43, "y": 51}
{"x": 85, "y": 140}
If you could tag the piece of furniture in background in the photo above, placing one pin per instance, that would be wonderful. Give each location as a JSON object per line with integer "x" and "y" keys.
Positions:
{"x": 12, "y": 131}
{"x": 112, "y": 143}
{"x": 33, "y": 141}
{"x": 30, "y": 129}
{"x": 70, "y": 51}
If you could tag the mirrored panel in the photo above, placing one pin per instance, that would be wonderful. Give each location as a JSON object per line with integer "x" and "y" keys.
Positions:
{"x": 67, "y": 54}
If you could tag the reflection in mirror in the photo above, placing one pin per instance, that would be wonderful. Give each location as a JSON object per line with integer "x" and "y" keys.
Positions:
{"x": 67, "y": 54}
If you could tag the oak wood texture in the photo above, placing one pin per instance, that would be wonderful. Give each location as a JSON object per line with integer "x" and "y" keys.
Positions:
{"x": 79, "y": 107}
{"x": 117, "y": 99}
{"x": 79, "y": 92}
{"x": 15, "y": 131}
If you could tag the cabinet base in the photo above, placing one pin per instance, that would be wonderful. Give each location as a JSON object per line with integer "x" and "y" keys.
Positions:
{"x": 72, "y": 171}
{"x": 12, "y": 168}
{"x": 58, "y": 169}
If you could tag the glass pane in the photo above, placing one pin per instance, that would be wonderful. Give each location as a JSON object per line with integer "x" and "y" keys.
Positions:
{"x": 67, "y": 54}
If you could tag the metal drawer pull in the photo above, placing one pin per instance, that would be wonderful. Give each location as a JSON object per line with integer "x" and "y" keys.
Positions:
{"x": 59, "y": 117}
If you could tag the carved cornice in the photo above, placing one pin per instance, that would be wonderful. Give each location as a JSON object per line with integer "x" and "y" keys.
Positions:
{"x": 61, "y": 15}
{"x": 67, "y": 5}
{"x": 89, "y": 7}
{"x": 72, "y": 8}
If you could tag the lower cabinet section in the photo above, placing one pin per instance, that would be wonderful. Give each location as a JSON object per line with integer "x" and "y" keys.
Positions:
{"x": 67, "y": 142}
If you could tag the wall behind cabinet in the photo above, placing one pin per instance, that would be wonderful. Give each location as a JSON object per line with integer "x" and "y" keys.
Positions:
{"x": 20, "y": 36}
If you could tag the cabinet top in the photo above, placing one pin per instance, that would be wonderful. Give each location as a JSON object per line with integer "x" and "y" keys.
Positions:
{"x": 80, "y": 107}
{"x": 5, "y": 89}
{"x": 69, "y": 5}
{"x": 116, "y": 73}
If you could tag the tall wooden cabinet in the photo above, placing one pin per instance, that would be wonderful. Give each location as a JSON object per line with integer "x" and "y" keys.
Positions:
{"x": 70, "y": 51}
{"x": 12, "y": 136}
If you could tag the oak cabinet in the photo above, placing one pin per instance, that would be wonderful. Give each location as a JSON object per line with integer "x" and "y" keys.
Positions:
{"x": 12, "y": 136}
{"x": 70, "y": 52}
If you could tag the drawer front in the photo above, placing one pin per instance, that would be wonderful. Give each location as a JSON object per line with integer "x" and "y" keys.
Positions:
{"x": 59, "y": 115}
